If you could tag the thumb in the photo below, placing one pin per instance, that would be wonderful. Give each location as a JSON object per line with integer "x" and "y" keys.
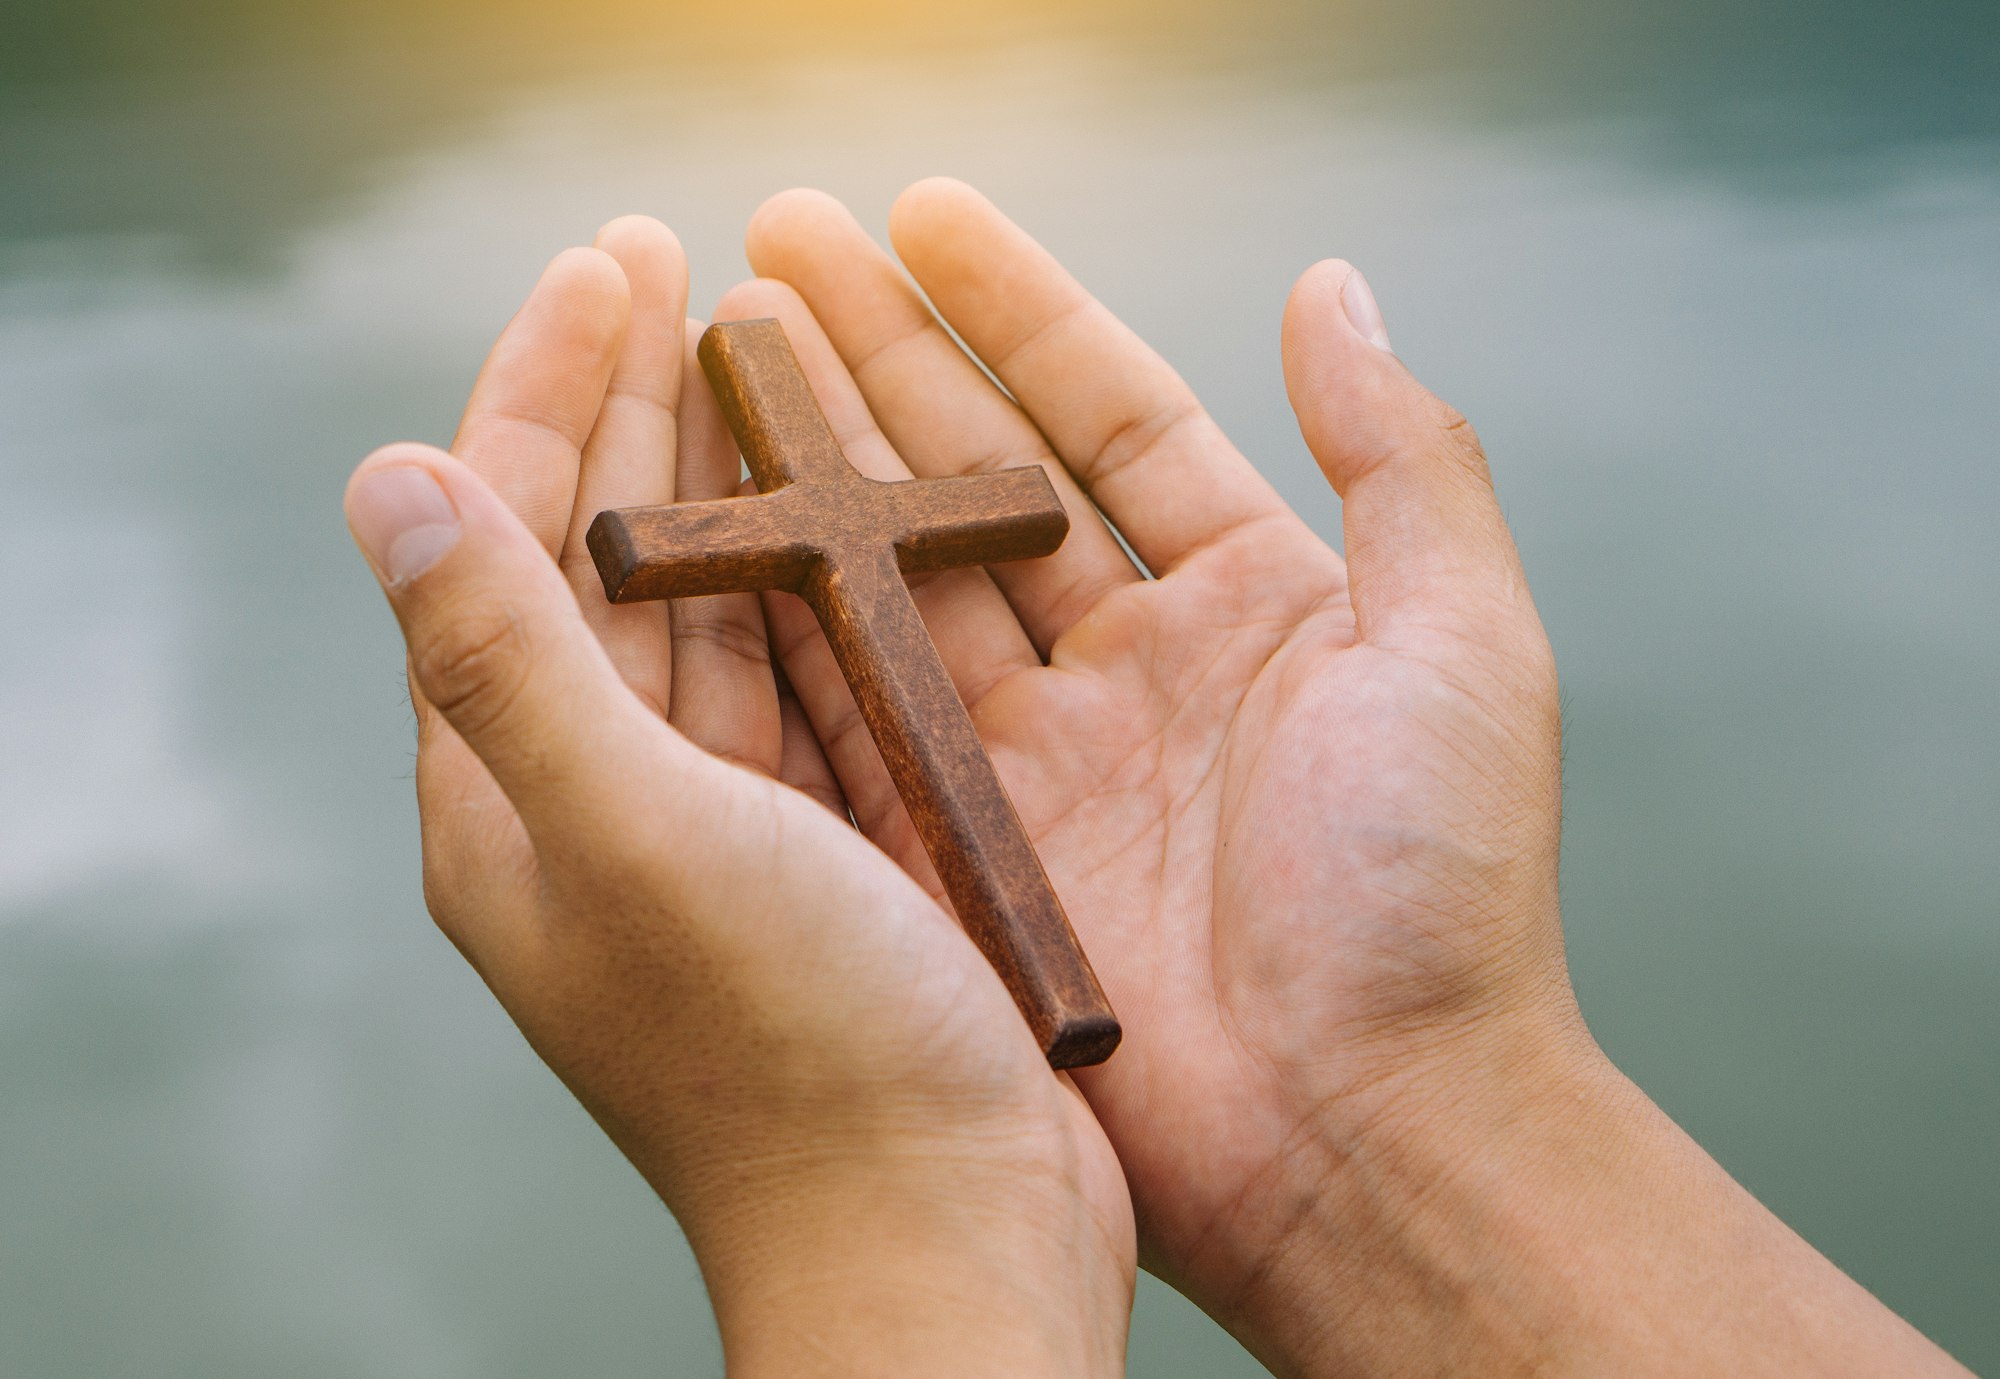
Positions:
{"x": 497, "y": 644}
{"x": 1426, "y": 544}
{"x": 728, "y": 862}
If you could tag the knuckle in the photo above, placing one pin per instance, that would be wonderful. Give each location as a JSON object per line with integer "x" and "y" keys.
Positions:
{"x": 443, "y": 888}
{"x": 447, "y": 913}
{"x": 477, "y": 868}
{"x": 722, "y": 628}
{"x": 447, "y": 880}
{"x": 474, "y": 666}
{"x": 1459, "y": 442}
{"x": 580, "y": 569}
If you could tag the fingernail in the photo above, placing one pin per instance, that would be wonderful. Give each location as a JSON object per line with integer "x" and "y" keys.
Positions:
{"x": 1362, "y": 312}
{"x": 403, "y": 521}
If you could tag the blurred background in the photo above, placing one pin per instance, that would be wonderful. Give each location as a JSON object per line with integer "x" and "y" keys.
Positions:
{"x": 1717, "y": 284}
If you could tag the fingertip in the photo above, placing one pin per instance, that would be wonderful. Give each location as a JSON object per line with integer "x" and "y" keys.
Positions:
{"x": 649, "y": 256}
{"x": 1318, "y": 284}
{"x": 542, "y": 387}
{"x": 588, "y": 286}
{"x": 585, "y": 270}
{"x": 961, "y": 248}
{"x": 394, "y": 453}
{"x": 1354, "y": 401}
{"x": 1424, "y": 532}
{"x": 1333, "y": 296}
{"x": 361, "y": 496}
{"x": 472, "y": 588}
{"x": 788, "y": 221}
{"x": 472, "y": 499}
{"x": 400, "y": 513}
{"x": 1312, "y": 306}
{"x": 930, "y": 204}
{"x": 758, "y": 298}
{"x": 637, "y": 233}
{"x": 1308, "y": 349}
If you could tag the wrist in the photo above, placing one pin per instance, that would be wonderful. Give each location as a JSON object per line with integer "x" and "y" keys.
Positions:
{"x": 917, "y": 1265}
{"x": 1450, "y": 1239}
{"x": 1528, "y": 1209}
{"x": 1406, "y": 1229}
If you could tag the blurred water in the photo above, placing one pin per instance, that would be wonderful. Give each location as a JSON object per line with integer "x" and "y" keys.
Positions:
{"x": 1720, "y": 299}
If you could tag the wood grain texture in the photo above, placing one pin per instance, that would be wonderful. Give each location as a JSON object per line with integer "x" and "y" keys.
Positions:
{"x": 819, "y": 528}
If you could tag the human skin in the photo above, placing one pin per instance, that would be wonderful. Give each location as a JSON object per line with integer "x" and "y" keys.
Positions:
{"x": 794, "y": 1045}
{"x": 1304, "y": 813}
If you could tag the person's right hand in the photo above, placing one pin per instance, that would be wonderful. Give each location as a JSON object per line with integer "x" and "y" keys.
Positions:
{"x": 1303, "y": 812}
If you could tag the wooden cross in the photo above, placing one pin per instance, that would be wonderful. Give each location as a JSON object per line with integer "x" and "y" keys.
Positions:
{"x": 820, "y": 529}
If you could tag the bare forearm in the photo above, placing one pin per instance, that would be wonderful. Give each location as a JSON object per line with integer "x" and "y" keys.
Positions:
{"x": 1556, "y": 1222}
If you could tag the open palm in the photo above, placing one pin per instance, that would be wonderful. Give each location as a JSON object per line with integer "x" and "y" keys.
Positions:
{"x": 1302, "y": 811}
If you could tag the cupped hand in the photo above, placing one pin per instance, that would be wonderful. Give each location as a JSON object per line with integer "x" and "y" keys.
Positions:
{"x": 631, "y": 833}
{"x": 1303, "y": 811}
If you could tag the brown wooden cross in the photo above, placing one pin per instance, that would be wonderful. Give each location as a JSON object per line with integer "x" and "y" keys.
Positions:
{"x": 820, "y": 529}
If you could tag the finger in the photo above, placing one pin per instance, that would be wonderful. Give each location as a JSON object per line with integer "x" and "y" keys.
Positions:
{"x": 499, "y": 646}
{"x": 939, "y": 411}
{"x": 977, "y": 635}
{"x": 496, "y": 643}
{"x": 803, "y": 764}
{"x": 724, "y": 698}
{"x": 866, "y": 789}
{"x": 1427, "y": 548}
{"x": 628, "y": 460}
{"x": 1121, "y": 419}
{"x": 976, "y": 632}
{"x": 538, "y": 395}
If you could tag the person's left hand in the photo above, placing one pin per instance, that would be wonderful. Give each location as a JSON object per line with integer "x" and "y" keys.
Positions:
{"x": 627, "y": 831}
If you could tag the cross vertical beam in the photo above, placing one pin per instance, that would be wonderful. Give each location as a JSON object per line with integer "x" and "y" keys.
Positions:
{"x": 820, "y": 529}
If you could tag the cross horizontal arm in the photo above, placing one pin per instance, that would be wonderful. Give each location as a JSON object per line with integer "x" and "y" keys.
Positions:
{"x": 976, "y": 519}
{"x": 728, "y": 546}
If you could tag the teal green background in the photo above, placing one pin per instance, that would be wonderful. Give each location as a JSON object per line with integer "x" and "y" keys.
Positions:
{"x": 1718, "y": 289}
